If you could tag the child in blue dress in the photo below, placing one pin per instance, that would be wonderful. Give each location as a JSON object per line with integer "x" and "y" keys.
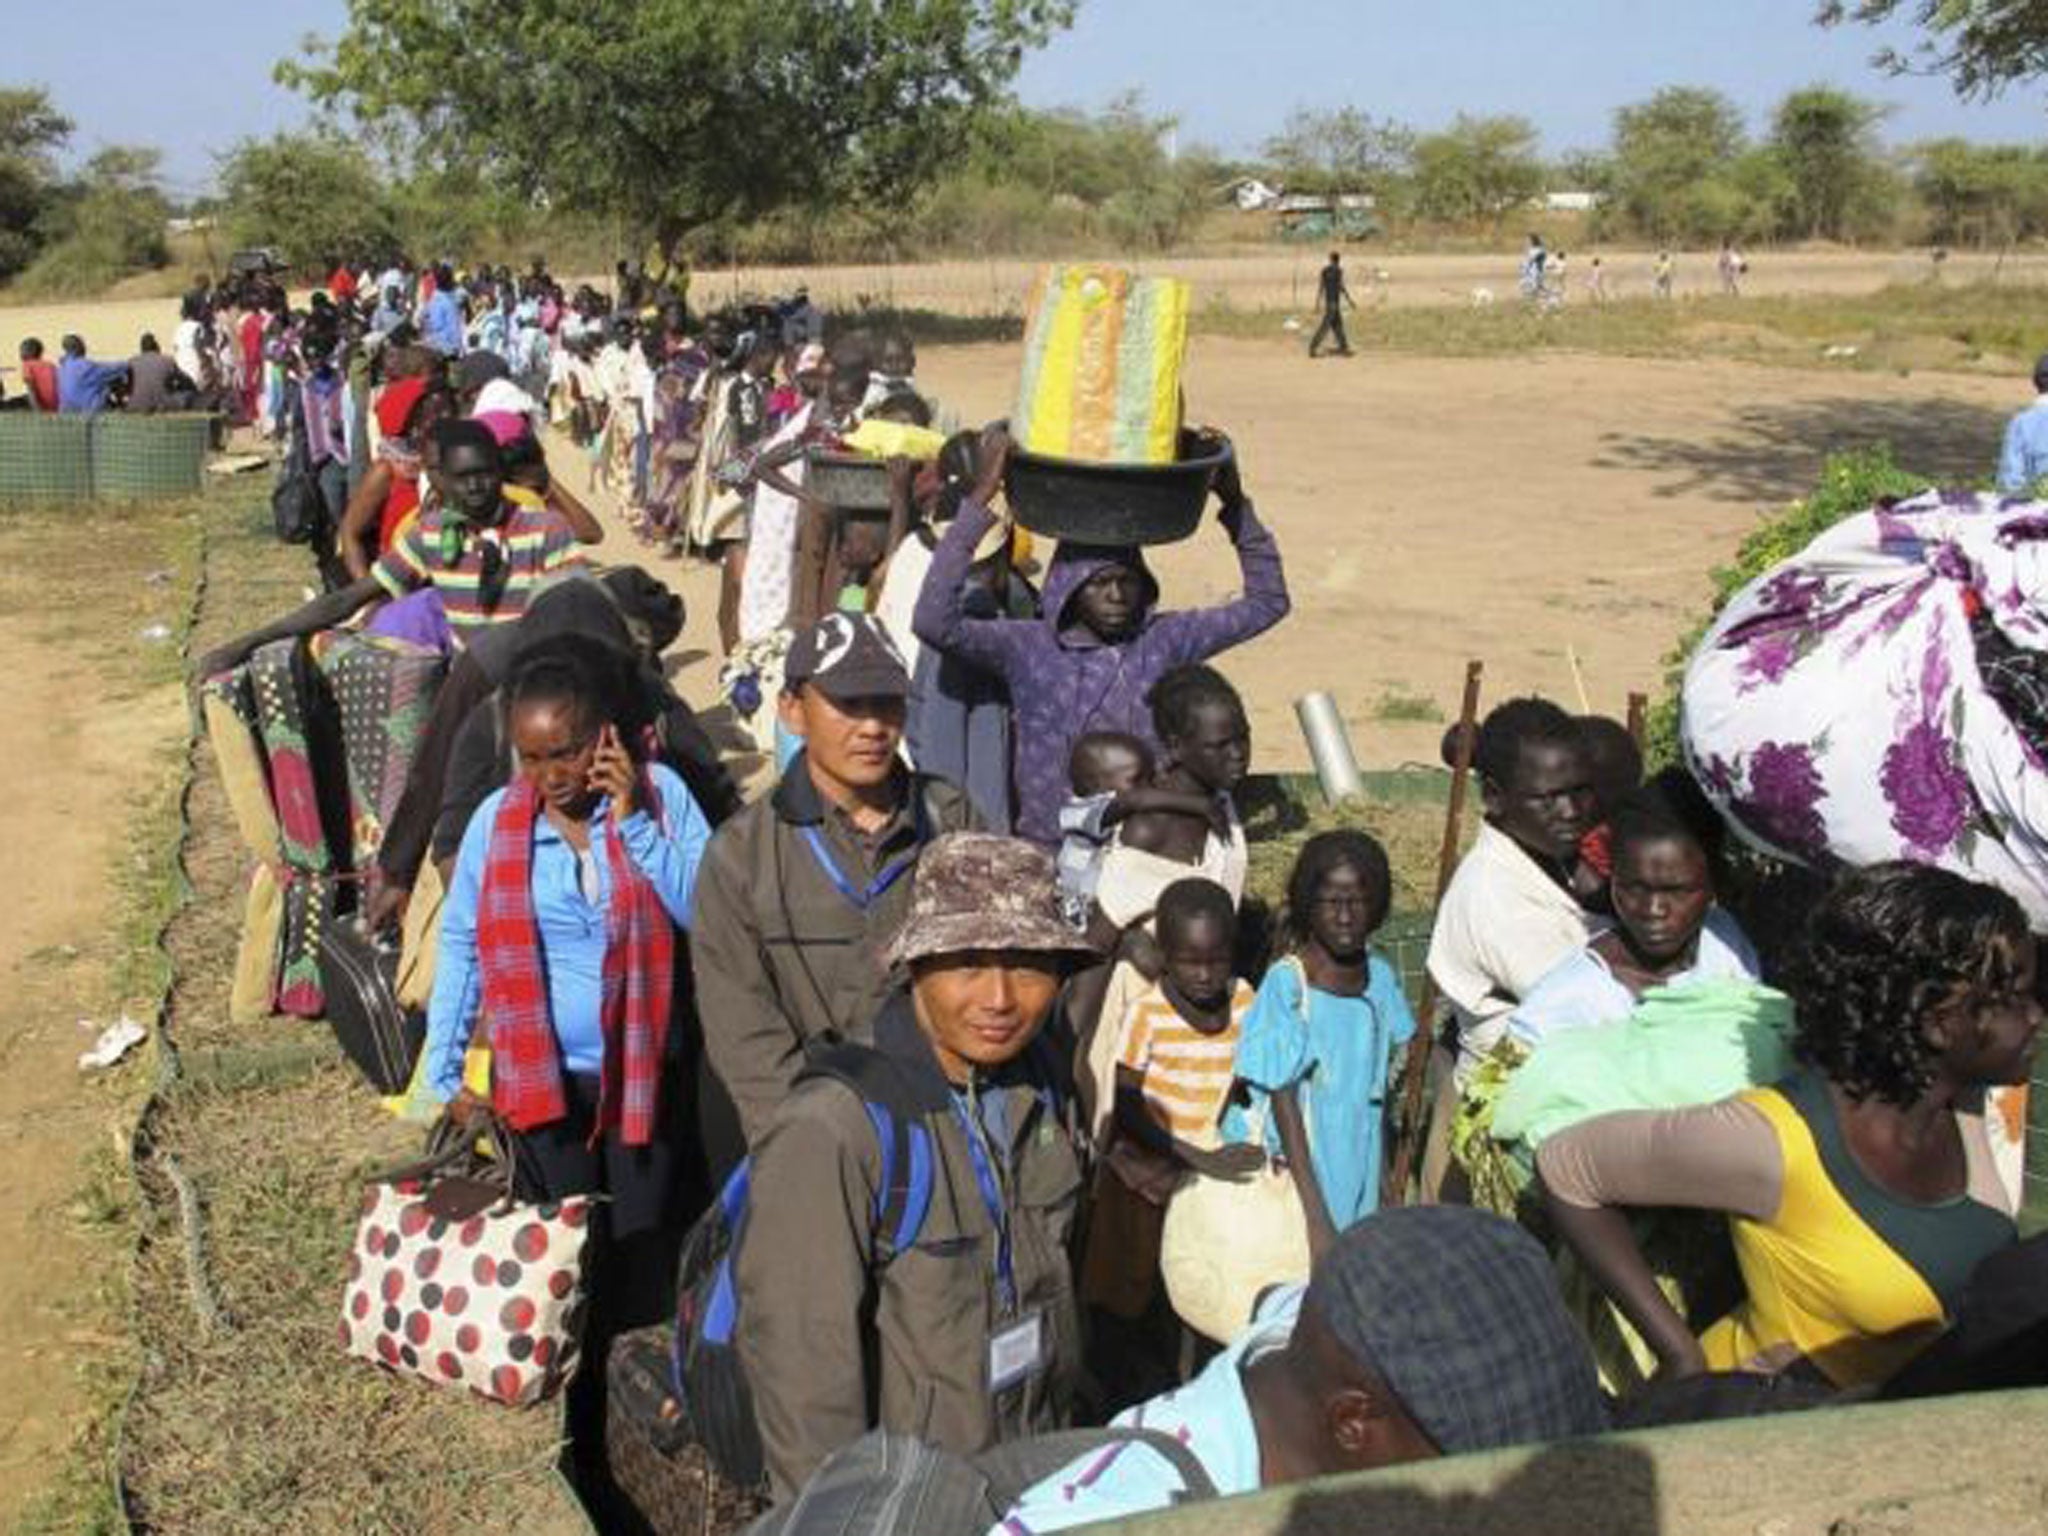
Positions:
{"x": 1320, "y": 1041}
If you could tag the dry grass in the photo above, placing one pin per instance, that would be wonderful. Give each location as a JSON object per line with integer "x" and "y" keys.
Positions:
{"x": 1973, "y": 327}
{"x": 263, "y": 1425}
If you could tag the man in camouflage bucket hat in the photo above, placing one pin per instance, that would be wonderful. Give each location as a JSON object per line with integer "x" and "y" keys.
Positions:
{"x": 976, "y": 891}
{"x": 964, "y": 1332}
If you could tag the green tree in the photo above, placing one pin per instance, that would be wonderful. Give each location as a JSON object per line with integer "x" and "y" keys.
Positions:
{"x": 32, "y": 130}
{"x": 1672, "y": 164}
{"x": 1344, "y": 150}
{"x": 1476, "y": 171}
{"x": 1827, "y": 140}
{"x": 1981, "y": 45}
{"x": 671, "y": 114}
{"x": 314, "y": 195}
{"x": 104, "y": 225}
{"x": 1981, "y": 194}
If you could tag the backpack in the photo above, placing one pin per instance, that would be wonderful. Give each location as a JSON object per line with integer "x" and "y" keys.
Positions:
{"x": 886, "y": 1484}
{"x": 709, "y": 1379}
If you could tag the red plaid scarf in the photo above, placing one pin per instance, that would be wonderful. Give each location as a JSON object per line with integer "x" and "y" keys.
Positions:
{"x": 639, "y": 976}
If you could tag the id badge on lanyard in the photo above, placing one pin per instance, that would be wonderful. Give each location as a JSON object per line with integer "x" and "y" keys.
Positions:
{"x": 1016, "y": 1353}
{"x": 1016, "y": 1349}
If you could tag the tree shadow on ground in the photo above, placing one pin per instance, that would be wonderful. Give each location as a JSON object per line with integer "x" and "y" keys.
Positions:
{"x": 1774, "y": 452}
{"x": 1597, "y": 1487}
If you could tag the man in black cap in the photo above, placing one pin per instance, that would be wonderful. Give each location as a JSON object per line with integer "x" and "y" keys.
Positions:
{"x": 801, "y": 892}
{"x": 1424, "y": 1331}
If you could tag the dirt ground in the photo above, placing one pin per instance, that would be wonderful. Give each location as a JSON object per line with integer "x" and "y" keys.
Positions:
{"x": 1553, "y": 515}
{"x": 59, "y": 955}
{"x": 1524, "y": 512}
{"x": 1259, "y": 279}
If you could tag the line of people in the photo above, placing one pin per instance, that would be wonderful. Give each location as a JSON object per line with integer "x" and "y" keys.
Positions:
{"x": 972, "y": 1022}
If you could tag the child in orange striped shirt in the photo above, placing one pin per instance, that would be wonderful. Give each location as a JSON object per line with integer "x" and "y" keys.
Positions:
{"x": 1176, "y": 1064}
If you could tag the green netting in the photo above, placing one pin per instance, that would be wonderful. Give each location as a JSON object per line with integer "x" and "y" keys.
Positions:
{"x": 135, "y": 457}
{"x": 45, "y": 457}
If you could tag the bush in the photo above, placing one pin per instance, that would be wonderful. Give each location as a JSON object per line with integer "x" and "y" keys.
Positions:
{"x": 1849, "y": 483}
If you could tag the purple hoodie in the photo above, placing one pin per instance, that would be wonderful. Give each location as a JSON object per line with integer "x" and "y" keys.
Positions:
{"x": 1063, "y": 680}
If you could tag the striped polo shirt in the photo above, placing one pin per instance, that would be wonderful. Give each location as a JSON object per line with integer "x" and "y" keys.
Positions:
{"x": 1187, "y": 1074}
{"x": 532, "y": 541}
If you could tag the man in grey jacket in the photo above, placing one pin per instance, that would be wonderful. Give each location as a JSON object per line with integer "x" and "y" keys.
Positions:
{"x": 800, "y": 892}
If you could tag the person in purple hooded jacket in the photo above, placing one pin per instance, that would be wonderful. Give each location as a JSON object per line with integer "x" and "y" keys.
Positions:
{"x": 1101, "y": 645}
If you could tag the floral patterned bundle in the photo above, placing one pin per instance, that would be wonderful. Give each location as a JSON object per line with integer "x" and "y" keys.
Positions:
{"x": 1865, "y": 701}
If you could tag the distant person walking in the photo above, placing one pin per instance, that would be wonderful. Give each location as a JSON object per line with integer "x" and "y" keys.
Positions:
{"x": 1732, "y": 265}
{"x": 1663, "y": 273}
{"x": 1334, "y": 295}
{"x": 2024, "y": 461}
{"x": 1535, "y": 262}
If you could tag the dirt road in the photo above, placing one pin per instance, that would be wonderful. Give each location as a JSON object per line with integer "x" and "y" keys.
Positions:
{"x": 1258, "y": 279}
{"x": 76, "y": 754}
{"x": 1525, "y": 512}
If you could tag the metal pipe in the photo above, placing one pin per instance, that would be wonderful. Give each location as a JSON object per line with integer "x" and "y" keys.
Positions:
{"x": 1329, "y": 745}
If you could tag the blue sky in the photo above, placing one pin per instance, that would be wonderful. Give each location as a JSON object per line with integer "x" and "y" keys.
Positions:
{"x": 146, "y": 71}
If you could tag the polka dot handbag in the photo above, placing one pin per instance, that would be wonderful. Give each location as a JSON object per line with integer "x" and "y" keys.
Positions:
{"x": 452, "y": 1280}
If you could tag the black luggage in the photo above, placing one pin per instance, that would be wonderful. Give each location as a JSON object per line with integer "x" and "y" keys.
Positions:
{"x": 359, "y": 975}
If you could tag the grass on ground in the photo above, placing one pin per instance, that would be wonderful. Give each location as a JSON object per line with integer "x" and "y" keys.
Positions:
{"x": 92, "y": 580}
{"x": 261, "y": 1424}
{"x": 1955, "y": 328}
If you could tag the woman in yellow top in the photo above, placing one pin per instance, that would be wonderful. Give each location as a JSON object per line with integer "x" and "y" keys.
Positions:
{"x": 1861, "y": 1191}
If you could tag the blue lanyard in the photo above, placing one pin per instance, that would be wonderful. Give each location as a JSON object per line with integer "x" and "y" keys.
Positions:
{"x": 863, "y": 897}
{"x": 992, "y": 1199}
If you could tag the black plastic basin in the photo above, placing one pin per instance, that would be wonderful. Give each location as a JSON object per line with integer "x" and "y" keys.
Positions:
{"x": 1097, "y": 503}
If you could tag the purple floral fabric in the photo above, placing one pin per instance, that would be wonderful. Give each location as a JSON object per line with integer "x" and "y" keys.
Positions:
{"x": 1836, "y": 712}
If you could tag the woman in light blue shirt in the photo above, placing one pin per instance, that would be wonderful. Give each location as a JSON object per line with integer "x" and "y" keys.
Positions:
{"x": 561, "y": 934}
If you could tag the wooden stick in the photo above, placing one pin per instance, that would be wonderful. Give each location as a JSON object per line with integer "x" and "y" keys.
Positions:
{"x": 1638, "y": 717}
{"x": 1415, "y": 1069}
{"x": 1571, "y": 654}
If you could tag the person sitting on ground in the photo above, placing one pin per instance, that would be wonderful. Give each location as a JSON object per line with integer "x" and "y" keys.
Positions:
{"x": 802, "y": 889}
{"x": 1510, "y": 913}
{"x": 1861, "y": 1190}
{"x": 477, "y": 554}
{"x": 1667, "y": 932}
{"x": 1102, "y": 644}
{"x": 969, "y": 1337}
{"x": 1322, "y": 1041}
{"x": 558, "y": 949}
{"x": 85, "y": 387}
{"x": 1176, "y": 1063}
{"x": 2023, "y": 458}
{"x": 155, "y": 383}
{"x": 38, "y": 375}
{"x": 1423, "y": 1332}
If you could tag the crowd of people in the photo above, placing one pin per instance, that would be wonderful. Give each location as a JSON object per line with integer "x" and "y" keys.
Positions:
{"x": 993, "y": 897}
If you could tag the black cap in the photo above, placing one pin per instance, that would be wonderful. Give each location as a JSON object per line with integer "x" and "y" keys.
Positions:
{"x": 846, "y": 656}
